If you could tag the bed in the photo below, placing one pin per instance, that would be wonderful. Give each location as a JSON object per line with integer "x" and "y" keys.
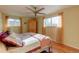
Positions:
{"x": 32, "y": 43}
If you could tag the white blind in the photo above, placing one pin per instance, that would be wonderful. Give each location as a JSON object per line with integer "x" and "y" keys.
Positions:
{"x": 13, "y": 22}
{"x": 53, "y": 21}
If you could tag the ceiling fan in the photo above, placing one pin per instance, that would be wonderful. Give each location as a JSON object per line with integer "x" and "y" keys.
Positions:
{"x": 35, "y": 10}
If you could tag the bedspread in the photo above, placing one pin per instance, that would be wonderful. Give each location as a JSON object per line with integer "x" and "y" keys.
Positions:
{"x": 31, "y": 41}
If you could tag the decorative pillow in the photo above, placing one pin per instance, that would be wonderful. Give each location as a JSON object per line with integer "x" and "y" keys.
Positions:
{"x": 4, "y": 35}
{"x": 12, "y": 40}
{"x": 1, "y": 35}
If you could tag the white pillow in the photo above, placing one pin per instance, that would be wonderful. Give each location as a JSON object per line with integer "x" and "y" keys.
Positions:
{"x": 16, "y": 38}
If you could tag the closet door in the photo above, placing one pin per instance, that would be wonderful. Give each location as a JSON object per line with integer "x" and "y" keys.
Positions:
{"x": 32, "y": 25}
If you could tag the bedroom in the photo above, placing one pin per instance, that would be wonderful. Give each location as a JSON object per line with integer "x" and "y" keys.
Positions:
{"x": 20, "y": 19}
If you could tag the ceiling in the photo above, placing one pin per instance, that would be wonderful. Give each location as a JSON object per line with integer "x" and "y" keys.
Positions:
{"x": 21, "y": 10}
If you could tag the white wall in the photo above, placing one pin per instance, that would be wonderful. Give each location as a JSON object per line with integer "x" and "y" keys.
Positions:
{"x": 25, "y": 25}
{"x": 40, "y": 24}
{"x": 71, "y": 28}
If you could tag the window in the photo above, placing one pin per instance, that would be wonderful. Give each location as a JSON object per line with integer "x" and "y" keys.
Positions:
{"x": 47, "y": 22}
{"x": 13, "y": 22}
{"x": 53, "y": 21}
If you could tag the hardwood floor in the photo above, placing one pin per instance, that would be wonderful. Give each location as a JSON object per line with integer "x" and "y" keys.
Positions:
{"x": 61, "y": 48}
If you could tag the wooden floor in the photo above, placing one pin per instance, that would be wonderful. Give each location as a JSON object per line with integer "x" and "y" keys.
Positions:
{"x": 61, "y": 48}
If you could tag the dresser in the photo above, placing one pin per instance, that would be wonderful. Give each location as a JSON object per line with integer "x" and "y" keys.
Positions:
{"x": 32, "y": 25}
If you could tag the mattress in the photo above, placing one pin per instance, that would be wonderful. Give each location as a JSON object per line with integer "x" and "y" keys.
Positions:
{"x": 29, "y": 44}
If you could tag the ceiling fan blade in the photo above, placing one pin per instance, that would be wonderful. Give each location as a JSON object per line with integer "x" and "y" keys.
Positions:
{"x": 40, "y": 9}
{"x": 30, "y": 9}
{"x": 42, "y": 13}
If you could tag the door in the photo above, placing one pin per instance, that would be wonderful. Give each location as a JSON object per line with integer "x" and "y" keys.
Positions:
{"x": 32, "y": 25}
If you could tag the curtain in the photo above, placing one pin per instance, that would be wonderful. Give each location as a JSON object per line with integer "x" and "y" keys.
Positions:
{"x": 5, "y": 23}
{"x": 43, "y": 28}
{"x": 21, "y": 25}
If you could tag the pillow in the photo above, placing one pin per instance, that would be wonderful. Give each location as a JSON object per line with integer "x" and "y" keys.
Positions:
{"x": 4, "y": 35}
{"x": 12, "y": 40}
{"x": 1, "y": 35}
{"x": 16, "y": 38}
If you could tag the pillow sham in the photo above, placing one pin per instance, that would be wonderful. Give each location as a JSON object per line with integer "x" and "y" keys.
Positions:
{"x": 4, "y": 35}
